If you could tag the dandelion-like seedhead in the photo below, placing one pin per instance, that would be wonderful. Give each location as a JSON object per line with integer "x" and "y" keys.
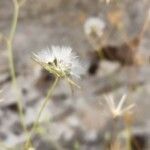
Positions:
{"x": 94, "y": 25}
{"x": 118, "y": 110}
{"x": 60, "y": 61}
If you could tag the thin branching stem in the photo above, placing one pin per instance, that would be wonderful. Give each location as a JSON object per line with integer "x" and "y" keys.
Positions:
{"x": 50, "y": 91}
{"x": 11, "y": 61}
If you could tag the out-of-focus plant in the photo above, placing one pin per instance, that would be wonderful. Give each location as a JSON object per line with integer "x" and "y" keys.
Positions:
{"x": 118, "y": 110}
{"x": 120, "y": 115}
{"x": 9, "y": 45}
{"x": 94, "y": 31}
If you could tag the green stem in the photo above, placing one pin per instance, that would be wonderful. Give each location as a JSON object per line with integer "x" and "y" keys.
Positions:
{"x": 128, "y": 130}
{"x": 15, "y": 21}
{"x": 11, "y": 61}
{"x": 40, "y": 112}
{"x": 100, "y": 53}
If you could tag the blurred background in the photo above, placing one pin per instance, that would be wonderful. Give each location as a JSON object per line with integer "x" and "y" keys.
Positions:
{"x": 78, "y": 119}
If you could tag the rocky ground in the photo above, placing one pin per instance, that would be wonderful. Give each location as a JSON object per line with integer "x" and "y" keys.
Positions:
{"x": 78, "y": 120}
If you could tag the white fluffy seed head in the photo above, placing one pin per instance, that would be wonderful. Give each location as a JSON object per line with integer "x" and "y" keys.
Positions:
{"x": 94, "y": 25}
{"x": 60, "y": 61}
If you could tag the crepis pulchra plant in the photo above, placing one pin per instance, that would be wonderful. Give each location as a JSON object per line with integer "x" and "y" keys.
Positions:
{"x": 62, "y": 63}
